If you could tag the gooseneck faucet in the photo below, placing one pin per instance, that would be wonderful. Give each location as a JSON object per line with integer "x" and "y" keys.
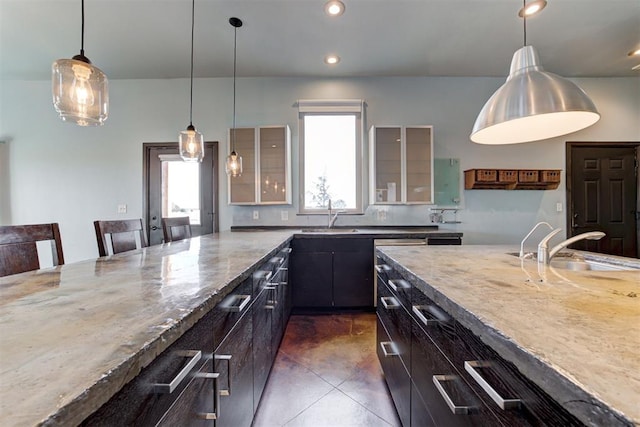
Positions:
{"x": 333, "y": 217}
{"x": 529, "y": 234}
{"x": 545, "y": 255}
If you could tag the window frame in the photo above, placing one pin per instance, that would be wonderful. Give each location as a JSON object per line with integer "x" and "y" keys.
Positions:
{"x": 325, "y": 107}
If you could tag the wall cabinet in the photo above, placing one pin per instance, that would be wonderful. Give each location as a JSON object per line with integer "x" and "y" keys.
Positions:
{"x": 332, "y": 273}
{"x": 450, "y": 376}
{"x": 401, "y": 164}
{"x": 213, "y": 375}
{"x": 266, "y": 163}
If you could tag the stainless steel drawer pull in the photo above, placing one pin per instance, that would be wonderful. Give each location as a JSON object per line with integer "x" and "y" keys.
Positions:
{"x": 236, "y": 303}
{"x": 226, "y": 358}
{"x": 262, "y": 275}
{"x": 399, "y": 285}
{"x": 378, "y": 268}
{"x": 272, "y": 285}
{"x": 390, "y": 303}
{"x": 388, "y": 349}
{"x": 286, "y": 250}
{"x": 216, "y": 414}
{"x": 436, "y": 316}
{"x": 195, "y": 356}
{"x": 283, "y": 269}
{"x": 455, "y": 409}
{"x": 382, "y": 268}
{"x": 504, "y": 404}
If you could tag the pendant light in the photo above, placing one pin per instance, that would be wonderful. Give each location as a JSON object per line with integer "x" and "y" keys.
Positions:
{"x": 233, "y": 164}
{"x": 532, "y": 104}
{"x": 80, "y": 90}
{"x": 191, "y": 141}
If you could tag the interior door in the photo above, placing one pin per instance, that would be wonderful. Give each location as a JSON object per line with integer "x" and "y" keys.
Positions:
{"x": 176, "y": 188}
{"x": 603, "y": 195}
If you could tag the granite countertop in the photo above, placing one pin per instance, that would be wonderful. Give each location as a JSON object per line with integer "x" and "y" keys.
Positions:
{"x": 73, "y": 335}
{"x": 576, "y": 334}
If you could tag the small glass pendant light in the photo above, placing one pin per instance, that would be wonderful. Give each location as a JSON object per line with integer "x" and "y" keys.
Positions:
{"x": 80, "y": 90}
{"x": 233, "y": 165}
{"x": 191, "y": 141}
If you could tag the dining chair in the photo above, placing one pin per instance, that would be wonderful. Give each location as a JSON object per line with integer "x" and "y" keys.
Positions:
{"x": 18, "y": 247}
{"x": 118, "y": 236}
{"x": 176, "y": 228}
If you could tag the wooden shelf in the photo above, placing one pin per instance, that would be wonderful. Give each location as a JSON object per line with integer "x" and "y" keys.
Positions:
{"x": 511, "y": 179}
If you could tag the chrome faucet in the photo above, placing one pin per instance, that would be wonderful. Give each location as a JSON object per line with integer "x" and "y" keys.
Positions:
{"x": 545, "y": 255}
{"x": 333, "y": 217}
{"x": 529, "y": 234}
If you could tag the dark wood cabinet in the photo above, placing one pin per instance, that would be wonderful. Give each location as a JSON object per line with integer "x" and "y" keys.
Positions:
{"x": 262, "y": 345}
{"x": 332, "y": 273}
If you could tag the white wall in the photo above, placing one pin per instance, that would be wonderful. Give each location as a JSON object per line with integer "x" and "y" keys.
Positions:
{"x": 52, "y": 171}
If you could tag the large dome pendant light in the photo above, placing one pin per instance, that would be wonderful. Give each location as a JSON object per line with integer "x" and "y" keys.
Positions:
{"x": 80, "y": 90}
{"x": 191, "y": 141}
{"x": 233, "y": 164}
{"x": 532, "y": 104}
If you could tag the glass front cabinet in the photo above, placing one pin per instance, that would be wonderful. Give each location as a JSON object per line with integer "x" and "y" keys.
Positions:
{"x": 266, "y": 166}
{"x": 401, "y": 164}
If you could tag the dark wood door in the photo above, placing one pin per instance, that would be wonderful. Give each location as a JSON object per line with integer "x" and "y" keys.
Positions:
{"x": 311, "y": 278}
{"x": 157, "y": 167}
{"x": 602, "y": 193}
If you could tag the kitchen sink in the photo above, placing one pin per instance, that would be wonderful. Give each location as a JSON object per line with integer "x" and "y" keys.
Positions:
{"x": 570, "y": 261}
{"x": 329, "y": 230}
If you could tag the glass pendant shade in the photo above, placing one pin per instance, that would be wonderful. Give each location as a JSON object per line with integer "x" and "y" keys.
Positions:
{"x": 233, "y": 165}
{"x": 191, "y": 144}
{"x": 80, "y": 91}
{"x": 532, "y": 105}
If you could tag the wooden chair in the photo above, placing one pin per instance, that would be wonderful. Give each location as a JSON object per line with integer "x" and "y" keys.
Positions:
{"x": 119, "y": 236}
{"x": 176, "y": 228}
{"x": 18, "y": 249}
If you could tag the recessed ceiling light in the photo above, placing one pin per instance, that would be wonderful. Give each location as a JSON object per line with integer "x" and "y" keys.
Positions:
{"x": 334, "y": 8}
{"x": 331, "y": 59}
{"x": 635, "y": 52}
{"x": 532, "y": 7}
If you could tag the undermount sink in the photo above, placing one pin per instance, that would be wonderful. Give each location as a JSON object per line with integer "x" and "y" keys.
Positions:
{"x": 329, "y": 230}
{"x": 569, "y": 261}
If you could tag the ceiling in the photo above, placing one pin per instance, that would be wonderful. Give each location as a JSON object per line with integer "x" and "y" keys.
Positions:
{"x": 137, "y": 39}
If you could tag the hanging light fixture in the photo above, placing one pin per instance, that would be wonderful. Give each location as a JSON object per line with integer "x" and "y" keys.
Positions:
{"x": 191, "y": 141}
{"x": 80, "y": 90}
{"x": 532, "y": 104}
{"x": 233, "y": 164}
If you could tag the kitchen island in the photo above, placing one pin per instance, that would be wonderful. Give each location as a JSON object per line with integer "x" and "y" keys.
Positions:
{"x": 575, "y": 334}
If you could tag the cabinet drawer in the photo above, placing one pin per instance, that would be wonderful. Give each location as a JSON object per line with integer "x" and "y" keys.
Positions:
{"x": 397, "y": 322}
{"x": 443, "y": 392}
{"x": 227, "y": 313}
{"x": 263, "y": 350}
{"x": 395, "y": 373}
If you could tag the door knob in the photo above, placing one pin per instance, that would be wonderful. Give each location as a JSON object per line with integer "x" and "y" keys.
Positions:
{"x": 155, "y": 227}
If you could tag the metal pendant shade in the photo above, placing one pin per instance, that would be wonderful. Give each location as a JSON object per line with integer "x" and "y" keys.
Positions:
{"x": 190, "y": 141}
{"x": 233, "y": 163}
{"x": 80, "y": 90}
{"x": 532, "y": 105}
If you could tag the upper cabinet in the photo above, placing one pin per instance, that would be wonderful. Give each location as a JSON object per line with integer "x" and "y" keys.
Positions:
{"x": 266, "y": 164}
{"x": 401, "y": 164}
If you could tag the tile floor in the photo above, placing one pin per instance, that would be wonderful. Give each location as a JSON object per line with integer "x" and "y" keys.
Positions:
{"x": 327, "y": 374}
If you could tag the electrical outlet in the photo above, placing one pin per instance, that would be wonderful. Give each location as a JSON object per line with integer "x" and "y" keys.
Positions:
{"x": 256, "y": 214}
{"x": 382, "y": 215}
{"x": 284, "y": 215}
{"x": 122, "y": 208}
{"x": 558, "y": 207}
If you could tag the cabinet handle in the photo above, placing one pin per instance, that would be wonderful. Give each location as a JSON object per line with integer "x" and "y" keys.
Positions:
{"x": 399, "y": 285}
{"x": 195, "y": 356}
{"x": 233, "y": 306}
{"x": 382, "y": 268}
{"x": 271, "y": 286}
{"x": 227, "y": 358}
{"x": 263, "y": 274}
{"x": 504, "y": 404}
{"x": 390, "y": 303}
{"x": 283, "y": 268}
{"x": 216, "y": 409}
{"x": 286, "y": 250}
{"x": 438, "y": 315}
{"x": 455, "y": 409}
{"x": 388, "y": 352}
{"x": 378, "y": 268}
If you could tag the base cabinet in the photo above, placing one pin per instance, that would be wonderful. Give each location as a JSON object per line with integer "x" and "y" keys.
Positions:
{"x": 454, "y": 378}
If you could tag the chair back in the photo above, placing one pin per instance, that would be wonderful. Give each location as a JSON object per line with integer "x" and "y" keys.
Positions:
{"x": 18, "y": 249}
{"x": 176, "y": 228}
{"x": 118, "y": 236}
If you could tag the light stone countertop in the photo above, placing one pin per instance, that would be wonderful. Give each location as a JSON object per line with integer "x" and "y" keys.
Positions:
{"x": 72, "y": 336}
{"x": 576, "y": 334}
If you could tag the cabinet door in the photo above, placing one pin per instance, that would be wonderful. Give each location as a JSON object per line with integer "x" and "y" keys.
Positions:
{"x": 419, "y": 164}
{"x": 262, "y": 344}
{"x": 312, "y": 279}
{"x": 353, "y": 278}
{"x": 233, "y": 360}
{"x": 274, "y": 170}
{"x": 387, "y": 151}
{"x": 242, "y": 189}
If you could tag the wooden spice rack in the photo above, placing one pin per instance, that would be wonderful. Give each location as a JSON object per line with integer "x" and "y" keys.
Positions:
{"x": 511, "y": 179}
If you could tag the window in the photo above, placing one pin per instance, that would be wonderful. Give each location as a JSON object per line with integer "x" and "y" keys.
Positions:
{"x": 330, "y": 155}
